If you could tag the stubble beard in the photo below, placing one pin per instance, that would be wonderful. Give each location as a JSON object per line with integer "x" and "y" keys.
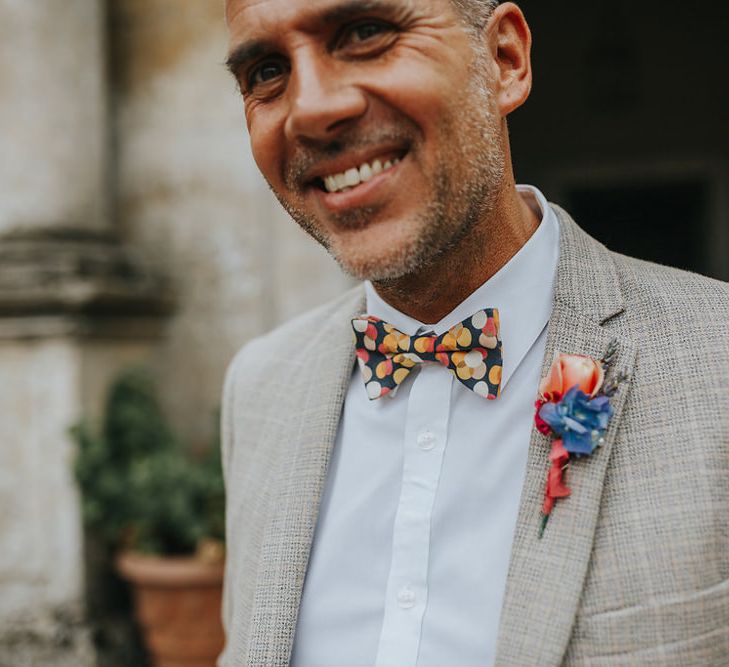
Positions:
{"x": 462, "y": 197}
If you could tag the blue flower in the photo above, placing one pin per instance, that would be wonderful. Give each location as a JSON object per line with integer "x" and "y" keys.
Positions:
{"x": 579, "y": 420}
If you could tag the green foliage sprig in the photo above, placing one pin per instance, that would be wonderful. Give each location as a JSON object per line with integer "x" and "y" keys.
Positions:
{"x": 140, "y": 489}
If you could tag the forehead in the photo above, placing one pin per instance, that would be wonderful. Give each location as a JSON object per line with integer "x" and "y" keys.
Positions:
{"x": 246, "y": 18}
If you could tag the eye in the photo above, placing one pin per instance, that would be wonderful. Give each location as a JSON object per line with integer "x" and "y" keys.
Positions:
{"x": 365, "y": 36}
{"x": 364, "y": 31}
{"x": 265, "y": 72}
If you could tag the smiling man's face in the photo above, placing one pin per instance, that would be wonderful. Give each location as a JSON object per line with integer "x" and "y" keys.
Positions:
{"x": 372, "y": 122}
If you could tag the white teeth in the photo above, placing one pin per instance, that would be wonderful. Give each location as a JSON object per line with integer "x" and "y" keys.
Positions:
{"x": 351, "y": 176}
{"x": 354, "y": 176}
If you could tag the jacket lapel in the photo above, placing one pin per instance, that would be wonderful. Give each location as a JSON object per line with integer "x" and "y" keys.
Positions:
{"x": 315, "y": 400}
{"x": 546, "y": 576}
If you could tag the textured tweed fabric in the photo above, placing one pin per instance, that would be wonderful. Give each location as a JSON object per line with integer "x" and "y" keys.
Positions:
{"x": 633, "y": 568}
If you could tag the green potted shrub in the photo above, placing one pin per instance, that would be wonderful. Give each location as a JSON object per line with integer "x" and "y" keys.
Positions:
{"x": 160, "y": 510}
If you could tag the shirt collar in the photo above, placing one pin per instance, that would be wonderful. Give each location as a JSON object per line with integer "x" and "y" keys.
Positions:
{"x": 522, "y": 290}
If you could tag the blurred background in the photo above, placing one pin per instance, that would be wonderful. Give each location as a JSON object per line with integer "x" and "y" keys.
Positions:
{"x": 135, "y": 228}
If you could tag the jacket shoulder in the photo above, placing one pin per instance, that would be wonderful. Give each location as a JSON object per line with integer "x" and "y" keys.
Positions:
{"x": 667, "y": 297}
{"x": 291, "y": 338}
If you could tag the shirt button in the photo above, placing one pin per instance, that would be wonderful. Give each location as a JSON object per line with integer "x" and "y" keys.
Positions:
{"x": 406, "y": 598}
{"x": 426, "y": 440}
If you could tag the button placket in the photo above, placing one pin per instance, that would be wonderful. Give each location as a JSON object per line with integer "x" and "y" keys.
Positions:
{"x": 407, "y": 586}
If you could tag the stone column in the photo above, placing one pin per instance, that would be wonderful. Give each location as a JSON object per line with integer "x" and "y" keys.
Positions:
{"x": 75, "y": 305}
{"x": 53, "y": 115}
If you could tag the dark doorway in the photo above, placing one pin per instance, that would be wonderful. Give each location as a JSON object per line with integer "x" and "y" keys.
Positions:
{"x": 626, "y": 126}
{"x": 664, "y": 223}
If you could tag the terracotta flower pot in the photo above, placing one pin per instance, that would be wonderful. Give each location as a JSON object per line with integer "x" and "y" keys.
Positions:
{"x": 178, "y": 604}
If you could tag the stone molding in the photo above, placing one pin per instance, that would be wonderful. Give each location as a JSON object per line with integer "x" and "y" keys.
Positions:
{"x": 73, "y": 282}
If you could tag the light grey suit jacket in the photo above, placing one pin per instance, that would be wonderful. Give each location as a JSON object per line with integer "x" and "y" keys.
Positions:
{"x": 633, "y": 568}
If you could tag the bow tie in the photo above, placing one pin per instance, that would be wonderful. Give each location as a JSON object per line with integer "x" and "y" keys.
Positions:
{"x": 471, "y": 350}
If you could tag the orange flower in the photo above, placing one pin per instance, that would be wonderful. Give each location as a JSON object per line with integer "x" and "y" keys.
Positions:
{"x": 570, "y": 370}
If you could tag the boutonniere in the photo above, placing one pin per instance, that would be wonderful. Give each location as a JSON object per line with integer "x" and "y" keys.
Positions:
{"x": 574, "y": 410}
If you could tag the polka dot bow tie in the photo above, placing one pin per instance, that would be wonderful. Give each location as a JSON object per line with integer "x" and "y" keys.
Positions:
{"x": 471, "y": 350}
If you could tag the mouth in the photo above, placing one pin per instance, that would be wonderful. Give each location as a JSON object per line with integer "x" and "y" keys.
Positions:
{"x": 357, "y": 174}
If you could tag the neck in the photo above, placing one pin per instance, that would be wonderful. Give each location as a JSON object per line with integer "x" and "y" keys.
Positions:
{"x": 431, "y": 293}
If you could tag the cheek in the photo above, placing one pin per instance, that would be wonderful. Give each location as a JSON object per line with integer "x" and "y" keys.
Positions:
{"x": 428, "y": 109}
{"x": 266, "y": 147}
{"x": 418, "y": 82}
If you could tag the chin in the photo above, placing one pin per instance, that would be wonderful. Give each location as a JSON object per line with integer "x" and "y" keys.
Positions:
{"x": 386, "y": 259}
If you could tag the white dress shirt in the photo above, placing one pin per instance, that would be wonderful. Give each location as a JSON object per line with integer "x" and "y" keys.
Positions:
{"x": 409, "y": 560}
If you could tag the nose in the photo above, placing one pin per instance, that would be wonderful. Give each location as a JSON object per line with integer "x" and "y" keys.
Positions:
{"x": 324, "y": 99}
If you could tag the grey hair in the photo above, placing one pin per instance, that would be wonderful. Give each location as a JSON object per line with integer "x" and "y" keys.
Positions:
{"x": 475, "y": 12}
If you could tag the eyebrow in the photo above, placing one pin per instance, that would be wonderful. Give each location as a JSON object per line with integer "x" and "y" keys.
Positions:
{"x": 255, "y": 48}
{"x": 244, "y": 53}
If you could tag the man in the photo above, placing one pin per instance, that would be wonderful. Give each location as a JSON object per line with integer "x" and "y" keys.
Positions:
{"x": 404, "y": 529}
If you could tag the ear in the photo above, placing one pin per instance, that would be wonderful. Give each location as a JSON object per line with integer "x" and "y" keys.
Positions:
{"x": 510, "y": 42}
